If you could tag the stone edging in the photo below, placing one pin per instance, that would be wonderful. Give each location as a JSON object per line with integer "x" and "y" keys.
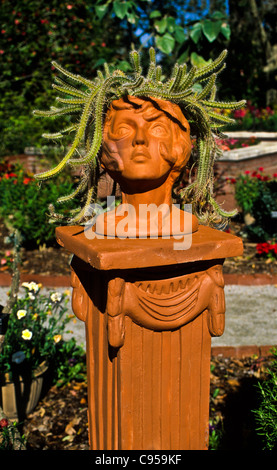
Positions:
{"x": 242, "y": 351}
{"x": 64, "y": 281}
{"x": 250, "y": 279}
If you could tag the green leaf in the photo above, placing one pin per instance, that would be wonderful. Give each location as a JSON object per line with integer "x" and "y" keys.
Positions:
{"x": 197, "y": 87}
{"x": 196, "y": 32}
{"x": 165, "y": 43}
{"x": 155, "y": 14}
{"x": 211, "y": 29}
{"x": 101, "y": 10}
{"x": 198, "y": 60}
{"x": 180, "y": 35}
{"x": 124, "y": 66}
{"x": 171, "y": 25}
{"x": 161, "y": 25}
{"x": 218, "y": 15}
{"x": 99, "y": 62}
{"x": 184, "y": 57}
{"x": 132, "y": 18}
{"x": 120, "y": 9}
{"x": 225, "y": 30}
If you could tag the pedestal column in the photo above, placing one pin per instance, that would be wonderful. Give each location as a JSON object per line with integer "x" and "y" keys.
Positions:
{"x": 150, "y": 312}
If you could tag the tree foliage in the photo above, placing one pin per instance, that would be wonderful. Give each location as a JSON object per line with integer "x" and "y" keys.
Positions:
{"x": 82, "y": 35}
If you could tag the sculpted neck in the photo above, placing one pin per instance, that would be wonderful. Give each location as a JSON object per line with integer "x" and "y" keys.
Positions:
{"x": 157, "y": 196}
{"x": 145, "y": 193}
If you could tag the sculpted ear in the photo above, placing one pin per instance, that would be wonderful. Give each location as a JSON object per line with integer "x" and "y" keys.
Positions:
{"x": 110, "y": 159}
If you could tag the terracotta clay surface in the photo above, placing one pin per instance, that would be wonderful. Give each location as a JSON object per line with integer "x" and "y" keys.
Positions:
{"x": 146, "y": 144}
{"x": 150, "y": 312}
{"x": 150, "y": 305}
{"x": 105, "y": 253}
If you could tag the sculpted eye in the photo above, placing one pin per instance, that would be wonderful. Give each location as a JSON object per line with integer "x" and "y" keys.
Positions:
{"x": 158, "y": 130}
{"x": 122, "y": 131}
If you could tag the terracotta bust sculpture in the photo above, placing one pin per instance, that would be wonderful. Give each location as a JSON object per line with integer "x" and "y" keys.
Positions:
{"x": 146, "y": 144}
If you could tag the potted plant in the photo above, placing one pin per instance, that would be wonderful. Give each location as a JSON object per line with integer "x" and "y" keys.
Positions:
{"x": 32, "y": 343}
{"x": 86, "y": 103}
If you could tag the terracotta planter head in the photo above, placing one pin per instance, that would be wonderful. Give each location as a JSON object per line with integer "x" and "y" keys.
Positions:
{"x": 145, "y": 142}
{"x": 157, "y": 151}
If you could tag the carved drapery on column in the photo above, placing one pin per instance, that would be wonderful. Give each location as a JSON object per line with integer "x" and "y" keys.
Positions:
{"x": 149, "y": 321}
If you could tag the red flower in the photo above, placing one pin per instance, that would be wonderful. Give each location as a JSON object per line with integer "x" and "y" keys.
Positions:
{"x": 4, "y": 423}
{"x": 26, "y": 180}
{"x": 261, "y": 168}
{"x": 247, "y": 172}
{"x": 263, "y": 248}
{"x": 274, "y": 175}
{"x": 240, "y": 113}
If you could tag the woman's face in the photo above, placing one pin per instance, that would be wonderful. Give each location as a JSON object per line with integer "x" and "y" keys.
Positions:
{"x": 139, "y": 143}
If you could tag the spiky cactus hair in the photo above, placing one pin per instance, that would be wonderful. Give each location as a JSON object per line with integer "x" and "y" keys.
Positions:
{"x": 92, "y": 98}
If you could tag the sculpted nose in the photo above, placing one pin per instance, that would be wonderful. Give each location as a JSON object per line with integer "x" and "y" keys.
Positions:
{"x": 140, "y": 137}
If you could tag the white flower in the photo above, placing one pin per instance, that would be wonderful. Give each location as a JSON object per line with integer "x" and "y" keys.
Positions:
{"x": 31, "y": 286}
{"x": 31, "y": 296}
{"x": 26, "y": 334}
{"x": 21, "y": 313}
{"x": 56, "y": 297}
{"x": 34, "y": 286}
{"x": 25, "y": 284}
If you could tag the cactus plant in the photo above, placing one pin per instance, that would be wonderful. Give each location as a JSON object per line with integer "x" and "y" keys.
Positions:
{"x": 91, "y": 98}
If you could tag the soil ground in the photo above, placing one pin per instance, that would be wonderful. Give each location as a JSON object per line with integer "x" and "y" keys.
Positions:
{"x": 60, "y": 420}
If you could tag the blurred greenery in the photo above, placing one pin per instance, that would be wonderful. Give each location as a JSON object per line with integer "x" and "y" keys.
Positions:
{"x": 82, "y": 35}
{"x": 25, "y": 206}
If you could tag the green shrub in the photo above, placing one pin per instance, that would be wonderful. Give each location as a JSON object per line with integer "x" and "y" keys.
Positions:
{"x": 256, "y": 194}
{"x": 266, "y": 414}
{"x": 22, "y": 129}
{"x": 10, "y": 437}
{"x": 24, "y": 205}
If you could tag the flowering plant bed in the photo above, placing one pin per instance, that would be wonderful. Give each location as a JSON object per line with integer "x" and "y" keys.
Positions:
{"x": 232, "y": 143}
{"x": 35, "y": 328}
{"x": 252, "y": 118}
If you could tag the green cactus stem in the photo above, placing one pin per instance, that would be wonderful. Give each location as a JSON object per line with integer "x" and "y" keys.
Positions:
{"x": 92, "y": 97}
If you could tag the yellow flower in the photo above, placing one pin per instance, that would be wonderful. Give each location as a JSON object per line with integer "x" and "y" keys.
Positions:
{"x": 67, "y": 292}
{"x": 57, "y": 338}
{"x": 34, "y": 317}
{"x": 26, "y": 334}
{"x": 21, "y": 313}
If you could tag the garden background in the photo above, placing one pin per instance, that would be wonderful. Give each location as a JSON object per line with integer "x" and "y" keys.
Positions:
{"x": 83, "y": 35}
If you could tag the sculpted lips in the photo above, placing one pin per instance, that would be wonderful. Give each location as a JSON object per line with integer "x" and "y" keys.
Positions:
{"x": 140, "y": 154}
